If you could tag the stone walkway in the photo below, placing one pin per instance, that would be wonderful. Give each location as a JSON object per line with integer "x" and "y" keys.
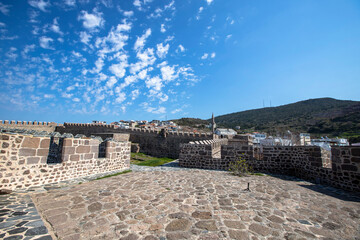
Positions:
{"x": 198, "y": 204}
{"x": 19, "y": 218}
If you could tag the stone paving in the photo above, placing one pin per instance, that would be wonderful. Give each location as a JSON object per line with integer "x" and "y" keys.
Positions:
{"x": 19, "y": 218}
{"x": 198, "y": 204}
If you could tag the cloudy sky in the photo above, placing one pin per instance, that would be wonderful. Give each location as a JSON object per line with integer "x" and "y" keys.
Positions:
{"x": 82, "y": 60}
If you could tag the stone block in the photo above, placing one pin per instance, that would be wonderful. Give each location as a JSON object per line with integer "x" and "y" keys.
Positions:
{"x": 355, "y": 152}
{"x": 74, "y": 157}
{"x": 30, "y": 142}
{"x": 67, "y": 142}
{"x": 88, "y": 156}
{"x": 4, "y": 137}
{"x": 68, "y": 150}
{"x": 355, "y": 159}
{"x": 83, "y": 149}
{"x": 27, "y": 152}
{"x": 351, "y": 168}
{"x": 33, "y": 160}
{"x": 42, "y": 152}
{"x": 45, "y": 143}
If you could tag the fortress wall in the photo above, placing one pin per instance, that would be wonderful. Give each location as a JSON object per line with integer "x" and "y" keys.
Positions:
{"x": 151, "y": 142}
{"x": 306, "y": 162}
{"x": 27, "y": 161}
{"x": 38, "y": 126}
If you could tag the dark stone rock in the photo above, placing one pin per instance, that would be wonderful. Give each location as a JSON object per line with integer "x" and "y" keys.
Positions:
{"x": 178, "y": 235}
{"x": 17, "y": 230}
{"x": 36, "y": 231}
{"x": 19, "y": 213}
{"x": 5, "y": 191}
{"x": 17, "y": 237}
{"x": 304, "y": 222}
{"x": 21, "y": 223}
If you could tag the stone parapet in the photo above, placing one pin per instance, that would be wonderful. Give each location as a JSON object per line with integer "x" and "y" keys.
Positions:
{"x": 27, "y": 161}
{"x": 341, "y": 170}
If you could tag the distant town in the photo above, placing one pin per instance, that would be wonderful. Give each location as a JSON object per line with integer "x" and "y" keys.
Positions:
{"x": 256, "y": 138}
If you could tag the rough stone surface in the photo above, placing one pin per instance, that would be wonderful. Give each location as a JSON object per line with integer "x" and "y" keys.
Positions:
{"x": 146, "y": 205}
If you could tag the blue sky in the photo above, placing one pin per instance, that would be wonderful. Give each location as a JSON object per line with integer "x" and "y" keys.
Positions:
{"x": 79, "y": 60}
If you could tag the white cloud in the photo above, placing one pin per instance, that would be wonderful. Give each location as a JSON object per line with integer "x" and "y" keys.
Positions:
{"x": 140, "y": 3}
{"x": 4, "y": 9}
{"x": 201, "y": 9}
{"x": 128, "y": 13}
{"x": 49, "y": 96}
{"x": 91, "y": 21}
{"x": 143, "y": 74}
{"x": 45, "y": 42}
{"x": 146, "y": 59}
{"x": 150, "y": 109}
{"x": 162, "y": 28}
{"x": 154, "y": 83}
{"x": 76, "y": 54}
{"x": 70, "y": 3}
{"x": 228, "y": 37}
{"x": 209, "y": 1}
{"x": 111, "y": 82}
{"x": 168, "y": 73}
{"x": 76, "y": 100}
{"x": 66, "y": 95}
{"x": 11, "y": 54}
{"x": 176, "y": 110}
{"x": 40, "y": 4}
{"x": 162, "y": 50}
{"x": 55, "y": 27}
{"x": 205, "y": 56}
{"x": 85, "y": 37}
{"x": 180, "y": 48}
{"x": 213, "y": 55}
{"x": 140, "y": 41}
{"x": 134, "y": 94}
{"x": 99, "y": 64}
{"x": 119, "y": 69}
{"x": 120, "y": 98}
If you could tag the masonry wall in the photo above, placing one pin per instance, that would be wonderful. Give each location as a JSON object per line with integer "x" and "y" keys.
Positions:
{"x": 307, "y": 162}
{"x": 151, "y": 142}
{"x": 38, "y": 126}
{"x": 27, "y": 161}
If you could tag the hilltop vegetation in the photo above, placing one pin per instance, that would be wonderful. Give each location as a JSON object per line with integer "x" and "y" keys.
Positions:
{"x": 322, "y": 116}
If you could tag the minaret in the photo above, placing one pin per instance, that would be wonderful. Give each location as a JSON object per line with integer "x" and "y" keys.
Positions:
{"x": 213, "y": 124}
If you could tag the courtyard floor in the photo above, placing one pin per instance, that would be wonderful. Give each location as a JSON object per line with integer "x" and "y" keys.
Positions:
{"x": 197, "y": 204}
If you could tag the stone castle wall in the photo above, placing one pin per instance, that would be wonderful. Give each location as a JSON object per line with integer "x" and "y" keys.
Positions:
{"x": 307, "y": 162}
{"x": 38, "y": 126}
{"x": 151, "y": 142}
{"x": 27, "y": 161}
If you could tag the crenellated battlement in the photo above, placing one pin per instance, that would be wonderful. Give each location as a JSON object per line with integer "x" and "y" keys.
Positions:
{"x": 27, "y": 123}
{"x": 96, "y": 126}
{"x": 32, "y": 160}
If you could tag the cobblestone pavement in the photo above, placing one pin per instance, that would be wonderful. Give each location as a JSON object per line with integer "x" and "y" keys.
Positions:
{"x": 19, "y": 218}
{"x": 199, "y": 204}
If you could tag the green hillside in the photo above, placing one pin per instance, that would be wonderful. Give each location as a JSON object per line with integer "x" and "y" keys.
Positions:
{"x": 323, "y": 116}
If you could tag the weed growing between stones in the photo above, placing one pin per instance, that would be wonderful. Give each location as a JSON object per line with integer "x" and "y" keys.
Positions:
{"x": 240, "y": 168}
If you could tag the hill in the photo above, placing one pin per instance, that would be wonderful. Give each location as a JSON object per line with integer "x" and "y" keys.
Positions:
{"x": 191, "y": 122}
{"x": 322, "y": 116}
